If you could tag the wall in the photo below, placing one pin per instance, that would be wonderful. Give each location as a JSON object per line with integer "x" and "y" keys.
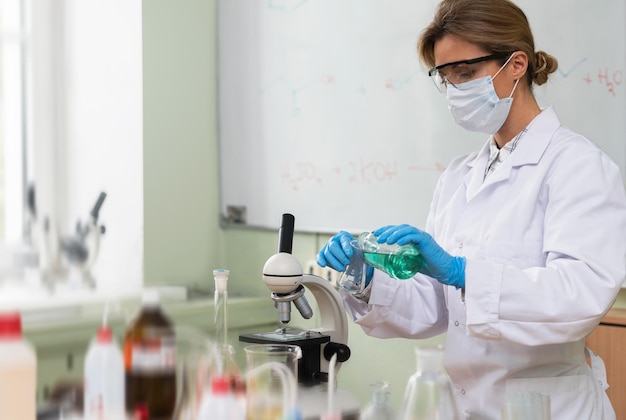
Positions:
{"x": 330, "y": 92}
{"x": 183, "y": 239}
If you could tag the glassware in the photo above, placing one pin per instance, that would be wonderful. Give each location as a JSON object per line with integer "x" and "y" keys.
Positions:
{"x": 353, "y": 278}
{"x": 220, "y": 319}
{"x": 378, "y": 408}
{"x": 428, "y": 394}
{"x": 229, "y": 368}
{"x": 400, "y": 262}
{"x": 271, "y": 380}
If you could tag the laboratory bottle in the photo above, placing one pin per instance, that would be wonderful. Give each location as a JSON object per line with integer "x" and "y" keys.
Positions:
{"x": 18, "y": 370}
{"x": 379, "y": 407}
{"x": 219, "y": 403}
{"x": 104, "y": 378}
{"x": 428, "y": 394}
{"x": 150, "y": 360}
{"x": 220, "y": 319}
{"x": 227, "y": 365}
{"x": 399, "y": 261}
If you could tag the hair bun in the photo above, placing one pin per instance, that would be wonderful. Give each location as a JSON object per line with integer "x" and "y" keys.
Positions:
{"x": 546, "y": 64}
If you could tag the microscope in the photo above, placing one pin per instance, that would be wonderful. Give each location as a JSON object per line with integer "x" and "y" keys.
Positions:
{"x": 80, "y": 250}
{"x": 282, "y": 274}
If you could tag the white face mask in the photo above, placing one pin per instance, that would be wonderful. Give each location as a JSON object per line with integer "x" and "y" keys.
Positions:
{"x": 475, "y": 105}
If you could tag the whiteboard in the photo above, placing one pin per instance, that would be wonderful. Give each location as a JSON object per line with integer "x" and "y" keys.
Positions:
{"x": 325, "y": 111}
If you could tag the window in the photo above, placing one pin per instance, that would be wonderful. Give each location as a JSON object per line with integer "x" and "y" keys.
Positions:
{"x": 13, "y": 105}
{"x": 71, "y": 119}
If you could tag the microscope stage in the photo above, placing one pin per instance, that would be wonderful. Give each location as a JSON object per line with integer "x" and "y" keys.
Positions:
{"x": 286, "y": 336}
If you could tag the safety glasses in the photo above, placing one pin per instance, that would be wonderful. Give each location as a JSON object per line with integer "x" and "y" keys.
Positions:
{"x": 459, "y": 72}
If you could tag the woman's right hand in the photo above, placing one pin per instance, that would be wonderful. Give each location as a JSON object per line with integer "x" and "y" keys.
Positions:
{"x": 337, "y": 252}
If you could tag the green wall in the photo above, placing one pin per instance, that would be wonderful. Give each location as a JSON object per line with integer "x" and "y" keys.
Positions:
{"x": 183, "y": 239}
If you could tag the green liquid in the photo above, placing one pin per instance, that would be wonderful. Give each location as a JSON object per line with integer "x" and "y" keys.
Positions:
{"x": 402, "y": 265}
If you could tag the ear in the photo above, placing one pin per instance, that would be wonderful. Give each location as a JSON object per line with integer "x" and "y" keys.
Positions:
{"x": 519, "y": 64}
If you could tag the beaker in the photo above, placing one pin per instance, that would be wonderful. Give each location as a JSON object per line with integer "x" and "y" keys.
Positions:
{"x": 399, "y": 261}
{"x": 266, "y": 388}
{"x": 353, "y": 278}
{"x": 428, "y": 394}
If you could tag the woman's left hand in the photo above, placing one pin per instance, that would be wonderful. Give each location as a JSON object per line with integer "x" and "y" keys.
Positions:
{"x": 447, "y": 269}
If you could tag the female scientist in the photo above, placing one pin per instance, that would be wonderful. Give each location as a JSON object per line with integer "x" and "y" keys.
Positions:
{"x": 525, "y": 242}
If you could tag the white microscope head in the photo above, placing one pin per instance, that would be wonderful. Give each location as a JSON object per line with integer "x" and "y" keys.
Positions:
{"x": 282, "y": 273}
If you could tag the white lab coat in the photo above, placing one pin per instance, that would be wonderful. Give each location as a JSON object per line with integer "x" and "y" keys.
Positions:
{"x": 544, "y": 237}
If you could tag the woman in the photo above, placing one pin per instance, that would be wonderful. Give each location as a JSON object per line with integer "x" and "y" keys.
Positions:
{"x": 524, "y": 245}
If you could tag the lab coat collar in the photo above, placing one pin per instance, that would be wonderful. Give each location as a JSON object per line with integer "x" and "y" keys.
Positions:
{"x": 528, "y": 152}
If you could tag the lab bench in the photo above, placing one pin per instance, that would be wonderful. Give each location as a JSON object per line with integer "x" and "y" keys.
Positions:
{"x": 609, "y": 340}
{"x": 61, "y": 335}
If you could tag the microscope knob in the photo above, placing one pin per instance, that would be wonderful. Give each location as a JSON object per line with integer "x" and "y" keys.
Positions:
{"x": 342, "y": 351}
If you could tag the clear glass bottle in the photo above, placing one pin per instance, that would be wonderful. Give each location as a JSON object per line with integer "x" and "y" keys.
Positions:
{"x": 400, "y": 262}
{"x": 229, "y": 368}
{"x": 220, "y": 301}
{"x": 428, "y": 394}
{"x": 379, "y": 407}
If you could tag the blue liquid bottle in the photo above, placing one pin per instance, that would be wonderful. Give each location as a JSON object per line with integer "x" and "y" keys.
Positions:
{"x": 400, "y": 262}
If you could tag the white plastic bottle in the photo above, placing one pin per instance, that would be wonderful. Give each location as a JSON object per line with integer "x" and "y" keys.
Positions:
{"x": 104, "y": 378}
{"x": 220, "y": 403}
{"x": 18, "y": 371}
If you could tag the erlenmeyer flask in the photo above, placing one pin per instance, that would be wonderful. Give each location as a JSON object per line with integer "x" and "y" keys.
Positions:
{"x": 378, "y": 408}
{"x": 353, "y": 278}
{"x": 399, "y": 261}
{"x": 428, "y": 394}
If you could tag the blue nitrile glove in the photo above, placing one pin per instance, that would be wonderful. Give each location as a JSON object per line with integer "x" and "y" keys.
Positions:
{"x": 336, "y": 254}
{"x": 438, "y": 264}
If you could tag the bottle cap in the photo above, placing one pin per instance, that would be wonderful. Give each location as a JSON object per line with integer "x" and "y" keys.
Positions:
{"x": 220, "y": 385}
{"x": 141, "y": 412}
{"x": 221, "y": 279}
{"x": 104, "y": 335}
{"x": 10, "y": 325}
{"x": 150, "y": 297}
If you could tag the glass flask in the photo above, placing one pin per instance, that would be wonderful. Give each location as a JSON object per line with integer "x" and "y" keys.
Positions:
{"x": 378, "y": 408}
{"x": 353, "y": 278}
{"x": 399, "y": 261}
{"x": 428, "y": 394}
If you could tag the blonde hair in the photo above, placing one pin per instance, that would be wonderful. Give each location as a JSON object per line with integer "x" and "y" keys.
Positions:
{"x": 498, "y": 26}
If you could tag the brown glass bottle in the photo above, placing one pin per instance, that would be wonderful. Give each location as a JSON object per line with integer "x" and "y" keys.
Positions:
{"x": 150, "y": 361}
